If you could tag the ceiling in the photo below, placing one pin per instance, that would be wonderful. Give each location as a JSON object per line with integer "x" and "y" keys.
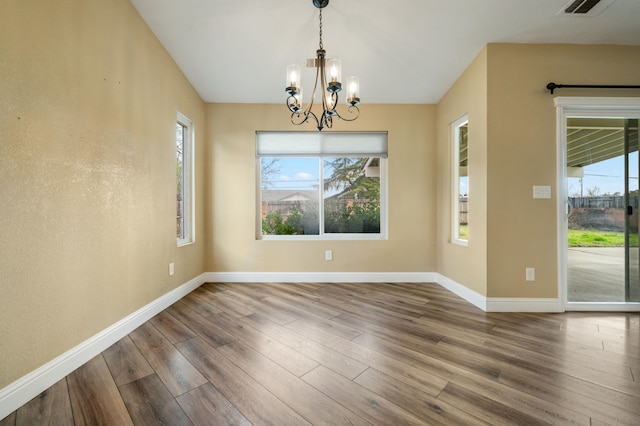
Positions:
{"x": 592, "y": 140}
{"x": 404, "y": 51}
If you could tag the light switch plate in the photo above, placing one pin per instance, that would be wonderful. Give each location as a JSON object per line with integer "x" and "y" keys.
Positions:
{"x": 541, "y": 192}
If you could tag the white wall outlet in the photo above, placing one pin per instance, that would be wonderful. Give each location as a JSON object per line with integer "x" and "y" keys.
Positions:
{"x": 171, "y": 269}
{"x": 328, "y": 255}
{"x": 530, "y": 274}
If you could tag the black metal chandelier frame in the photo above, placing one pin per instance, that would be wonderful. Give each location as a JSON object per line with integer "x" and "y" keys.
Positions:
{"x": 300, "y": 114}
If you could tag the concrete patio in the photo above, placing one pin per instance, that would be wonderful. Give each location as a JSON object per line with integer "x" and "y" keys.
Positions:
{"x": 596, "y": 274}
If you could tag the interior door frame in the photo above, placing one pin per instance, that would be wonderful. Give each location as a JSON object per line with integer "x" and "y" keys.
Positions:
{"x": 582, "y": 107}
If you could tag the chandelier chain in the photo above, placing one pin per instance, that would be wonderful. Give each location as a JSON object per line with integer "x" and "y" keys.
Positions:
{"x": 321, "y": 46}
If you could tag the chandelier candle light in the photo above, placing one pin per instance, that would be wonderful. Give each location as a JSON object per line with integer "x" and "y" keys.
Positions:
{"x": 328, "y": 77}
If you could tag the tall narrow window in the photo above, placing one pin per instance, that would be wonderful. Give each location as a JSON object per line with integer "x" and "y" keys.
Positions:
{"x": 184, "y": 180}
{"x": 460, "y": 181}
{"x": 322, "y": 185}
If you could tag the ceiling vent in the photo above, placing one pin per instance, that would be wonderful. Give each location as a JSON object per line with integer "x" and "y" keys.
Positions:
{"x": 585, "y": 7}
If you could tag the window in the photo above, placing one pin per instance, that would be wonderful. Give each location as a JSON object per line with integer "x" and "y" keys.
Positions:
{"x": 321, "y": 185}
{"x": 460, "y": 181}
{"x": 184, "y": 180}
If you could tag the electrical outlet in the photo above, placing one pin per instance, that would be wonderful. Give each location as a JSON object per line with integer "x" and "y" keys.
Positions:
{"x": 171, "y": 269}
{"x": 328, "y": 255}
{"x": 530, "y": 274}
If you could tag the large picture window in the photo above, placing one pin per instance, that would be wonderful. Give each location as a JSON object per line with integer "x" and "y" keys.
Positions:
{"x": 460, "y": 181}
{"x": 322, "y": 185}
{"x": 184, "y": 180}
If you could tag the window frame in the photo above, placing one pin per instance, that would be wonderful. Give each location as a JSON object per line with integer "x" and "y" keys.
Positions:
{"x": 188, "y": 181}
{"x": 321, "y": 155}
{"x": 455, "y": 180}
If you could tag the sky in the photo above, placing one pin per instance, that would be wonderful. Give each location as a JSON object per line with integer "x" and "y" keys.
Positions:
{"x": 607, "y": 175}
{"x": 300, "y": 173}
{"x": 296, "y": 173}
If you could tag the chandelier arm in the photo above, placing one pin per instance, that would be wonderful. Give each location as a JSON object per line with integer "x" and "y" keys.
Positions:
{"x": 326, "y": 120}
{"x": 292, "y": 104}
{"x": 298, "y": 118}
{"x": 334, "y": 103}
{"x": 318, "y": 123}
{"x": 307, "y": 110}
{"x": 323, "y": 84}
{"x": 295, "y": 118}
{"x": 356, "y": 113}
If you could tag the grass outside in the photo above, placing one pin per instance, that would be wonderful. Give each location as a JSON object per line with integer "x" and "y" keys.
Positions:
{"x": 584, "y": 238}
{"x": 464, "y": 232}
{"x": 593, "y": 238}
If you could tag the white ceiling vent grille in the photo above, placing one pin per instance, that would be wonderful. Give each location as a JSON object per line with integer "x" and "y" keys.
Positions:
{"x": 585, "y": 8}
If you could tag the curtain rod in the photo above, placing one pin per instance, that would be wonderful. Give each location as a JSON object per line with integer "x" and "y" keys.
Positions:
{"x": 553, "y": 86}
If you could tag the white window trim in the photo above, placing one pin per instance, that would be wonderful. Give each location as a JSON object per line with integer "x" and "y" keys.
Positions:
{"x": 188, "y": 189}
{"x": 455, "y": 180}
{"x": 383, "y": 235}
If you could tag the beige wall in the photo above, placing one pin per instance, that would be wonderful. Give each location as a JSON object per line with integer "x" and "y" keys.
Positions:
{"x": 522, "y": 152}
{"x": 88, "y": 101}
{"x": 512, "y": 147}
{"x": 465, "y": 265}
{"x": 232, "y": 244}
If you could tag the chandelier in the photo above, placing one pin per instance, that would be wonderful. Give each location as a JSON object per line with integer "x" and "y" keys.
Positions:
{"x": 328, "y": 76}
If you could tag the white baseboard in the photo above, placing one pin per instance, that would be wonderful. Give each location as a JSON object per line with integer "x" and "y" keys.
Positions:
{"x": 505, "y": 304}
{"x": 487, "y": 304}
{"x": 500, "y": 304}
{"x": 466, "y": 293}
{"x": 28, "y": 387}
{"x": 321, "y": 277}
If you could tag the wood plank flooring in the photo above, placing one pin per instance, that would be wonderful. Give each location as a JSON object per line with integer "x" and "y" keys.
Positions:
{"x": 352, "y": 354}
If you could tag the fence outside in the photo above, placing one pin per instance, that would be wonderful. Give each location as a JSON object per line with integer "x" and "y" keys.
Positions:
{"x": 599, "y": 211}
{"x": 179, "y": 223}
{"x": 463, "y": 210}
{"x": 602, "y": 202}
{"x": 587, "y": 211}
{"x": 604, "y": 213}
{"x": 284, "y": 208}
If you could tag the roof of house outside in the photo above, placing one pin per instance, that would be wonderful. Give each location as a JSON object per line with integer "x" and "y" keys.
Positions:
{"x": 274, "y": 195}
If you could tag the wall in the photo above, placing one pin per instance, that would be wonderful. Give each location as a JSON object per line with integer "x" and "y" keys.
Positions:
{"x": 522, "y": 152}
{"x": 512, "y": 147}
{"x": 464, "y": 265}
{"x": 232, "y": 244}
{"x": 88, "y": 101}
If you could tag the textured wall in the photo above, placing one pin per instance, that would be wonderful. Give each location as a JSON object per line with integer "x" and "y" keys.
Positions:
{"x": 88, "y": 101}
{"x": 466, "y": 265}
{"x": 512, "y": 147}
{"x": 411, "y": 164}
{"x": 522, "y": 231}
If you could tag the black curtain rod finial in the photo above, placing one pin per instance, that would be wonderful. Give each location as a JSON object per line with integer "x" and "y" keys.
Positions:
{"x": 551, "y": 87}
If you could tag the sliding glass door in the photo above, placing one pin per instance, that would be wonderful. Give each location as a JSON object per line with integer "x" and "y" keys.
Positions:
{"x": 632, "y": 192}
{"x": 601, "y": 226}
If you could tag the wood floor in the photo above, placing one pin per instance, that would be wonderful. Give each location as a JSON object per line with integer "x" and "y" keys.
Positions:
{"x": 352, "y": 354}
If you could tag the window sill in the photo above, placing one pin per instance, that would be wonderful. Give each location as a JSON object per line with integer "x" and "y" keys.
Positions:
{"x": 463, "y": 243}
{"x": 326, "y": 237}
{"x": 183, "y": 243}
